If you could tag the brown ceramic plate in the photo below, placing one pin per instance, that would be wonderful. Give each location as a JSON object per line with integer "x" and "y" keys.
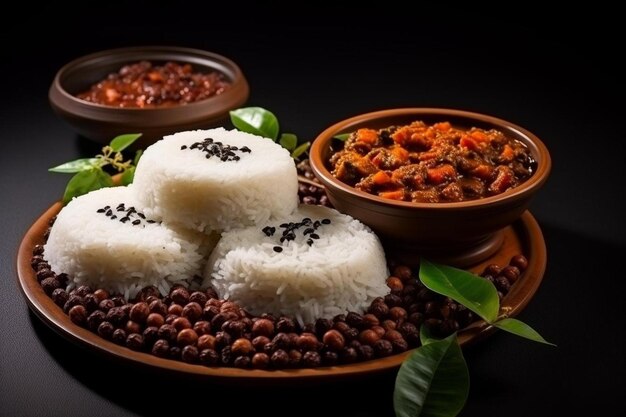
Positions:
{"x": 524, "y": 236}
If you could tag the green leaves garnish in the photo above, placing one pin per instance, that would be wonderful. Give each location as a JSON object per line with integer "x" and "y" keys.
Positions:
{"x": 475, "y": 293}
{"x": 262, "y": 122}
{"x": 86, "y": 181}
{"x": 121, "y": 142}
{"x": 255, "y": 120}
{"x": 433, "y": 381}
{"x": 89, "y": 174}
{"x": 521, "y": 329}
{"x": 342, "y": 136}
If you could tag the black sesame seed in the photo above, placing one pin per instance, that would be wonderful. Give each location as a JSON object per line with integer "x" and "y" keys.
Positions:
{"x": 136, "y": 222}
{"x": 101, "y": 210}
{"x": 124, "y": 219}
{"x": 314, "y": 236}
{"x": 316, "y": 224}
{"x": 151, "y": 221}
{"x": 183, "y": 147}
{"x": 113, "y": 217}
{"x": 141, "y": 215}
{"x": 309, "y": 242}
{"x": 107, "y": 207}
{"x": 108, "y": 212}
{"x": 309, "y": 230}
{"x": 325, "y": 221}
{"x": 278, "y": 249}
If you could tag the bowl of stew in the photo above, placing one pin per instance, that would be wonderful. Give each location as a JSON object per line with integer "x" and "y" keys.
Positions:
{"x": 153, "y": 90}
{"x": 431, "y": 182}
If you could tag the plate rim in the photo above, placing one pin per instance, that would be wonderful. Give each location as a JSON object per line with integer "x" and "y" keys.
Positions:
{"x": 47, "y": 311}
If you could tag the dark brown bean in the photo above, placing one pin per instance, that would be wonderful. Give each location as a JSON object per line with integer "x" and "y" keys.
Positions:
{"x": 348, "y": 355}
{"x": 402, "y": 272}
{"x": 106, "y": 304}
{"x": 181, "y": 323}
{"x": 135, "y": 341}
{"x": 368, "y": 337}
{"x": 60, "y": 296}
{"x": 242, "y": 362}
{"x": 186, "y": 337}
{"x": 355, "y": 320}
{"x": 139, "y": 312}
{"x": 168, "y": 332}
{"x": 511, "y": 273}
{"x": 395, "y": 284}
{"x": 365, "y": 352}
{"x": 502, "y": 284}
{"x": 279, "y": 359}
{"x": 285, "y": 325}
{"x": 260, "y": 360}
{"x": 383, "y": 348}
{"x": 295, "y": 357}
{"x": 311, "y": 359}
{"x": 209, "y": 357}
{"x": 161, "y": 348}
{"x": 222, "y": 340}
{"x": 206, "y": 341}
{"x": 307, "y": 341}
{"x": 150, "y": 335}
{"x": 241, "y": 347}
{"x": 116, "y": 315}
{"x": 190, "y": 354}
{"x": 330, "y": 358}
{"x": 83, "y": 290}
{"x": 78, "y": 315}
{"x": 380, "y": 310}
{"x": 492, "y": 269}
{"x": 175, "y": 309}
{"x": 155, "y": 319}
{"x": 322, "y": 326}
{"x": 399, "y": 345}
{"x": 49, "y": 285}
{"x": 397, "y": 314}
{"x": 259, "y": 342}
{"x": 94, "y": 319}
{"x": 198, "y": 297}
{"x": 159, "y": 307}
{"x": 334, "y": 340}
{"x": 105, "y": 330}
{"x": 202, "y": 327}
{"x": 192, "y": 311}
{"x": 132, "y": 327}
{"x": 101, "y": 294}
{"x": 520, "y": 262}
{"x": 175, "y": 352}
{"x": 45, "y": 273}
{"x": 180, "y": 295}
{"x": 119, "y": 337}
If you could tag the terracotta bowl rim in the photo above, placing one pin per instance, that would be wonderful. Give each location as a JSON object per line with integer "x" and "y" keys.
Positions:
{"x": 524, "y": 190}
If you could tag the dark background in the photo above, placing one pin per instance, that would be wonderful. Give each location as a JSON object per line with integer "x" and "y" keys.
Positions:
{"x": 555, "y": 73}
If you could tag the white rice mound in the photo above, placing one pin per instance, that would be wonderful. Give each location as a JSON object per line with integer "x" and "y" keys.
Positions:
{"x": 343, "y": 270}
{"x": 101, "y": 252}
{"x": 183, "y": 186}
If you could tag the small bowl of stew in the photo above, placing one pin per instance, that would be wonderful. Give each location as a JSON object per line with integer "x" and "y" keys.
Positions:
{"x": 154, "y": 90}
{"x": 431, "y": 182}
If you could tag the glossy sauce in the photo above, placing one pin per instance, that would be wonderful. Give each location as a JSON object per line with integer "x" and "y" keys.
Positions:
{"x": 145, "y": 85}
{"x": 432, "y": 163}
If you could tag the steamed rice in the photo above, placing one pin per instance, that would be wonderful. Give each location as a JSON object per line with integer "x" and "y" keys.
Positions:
{"x": 181, "y": 185}
{"x": 121, "y": 257}
{"x": 343, "y": 270}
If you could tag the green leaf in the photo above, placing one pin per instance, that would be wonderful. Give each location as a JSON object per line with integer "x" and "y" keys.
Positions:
{"x": 86, "y": 181}
{"x": 300, "y": 150}
{"x": 425, "y": 336}
{"x": 128, "y": 176}
{"x": 342, "y": 137}
{"x": 75, "y": 166}
{"x": 255, "y": 120}
{"x": 433, "y": 381}
{"x": 474, "y": 292}
{"x": 522, "y": 329}
{"x": 137, "y": 156}
{"x": 121, "y": 142}
{"x": 288, "y": 141}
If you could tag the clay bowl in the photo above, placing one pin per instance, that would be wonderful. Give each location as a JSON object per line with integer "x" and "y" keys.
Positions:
{"x": 101, "y": 123}
{"x": 461, "y": 234}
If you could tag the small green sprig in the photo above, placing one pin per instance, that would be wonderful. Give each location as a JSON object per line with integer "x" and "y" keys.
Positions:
{"x": 89, "y": 174}
{"x": 262, "y": 122}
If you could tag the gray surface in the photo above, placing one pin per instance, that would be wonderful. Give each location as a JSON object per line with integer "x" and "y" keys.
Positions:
{"x": 321, "y": 72}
